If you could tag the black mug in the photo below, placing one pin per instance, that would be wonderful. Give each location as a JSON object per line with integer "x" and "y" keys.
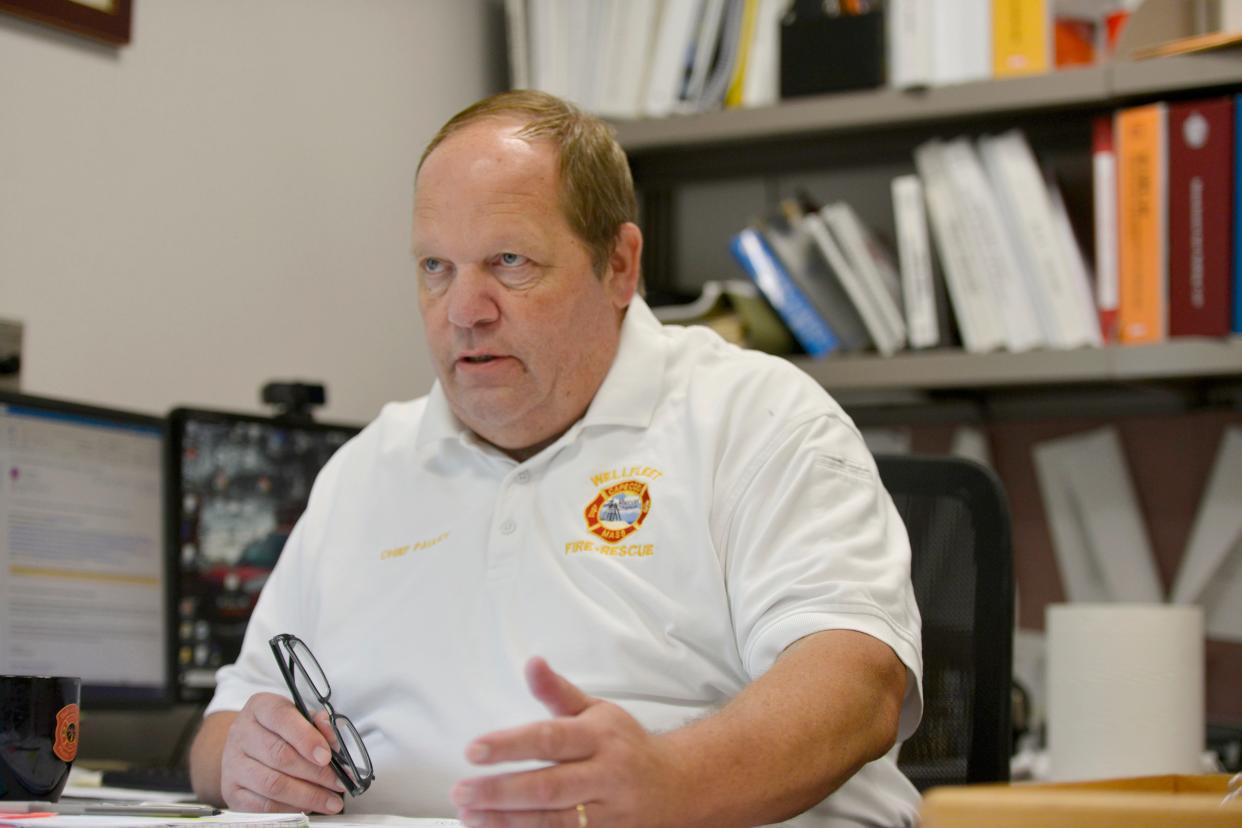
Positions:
{"x": 39, "y": 733}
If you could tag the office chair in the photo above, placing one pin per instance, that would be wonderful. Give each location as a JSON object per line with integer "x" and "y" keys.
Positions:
{"x": 962, "y": 568}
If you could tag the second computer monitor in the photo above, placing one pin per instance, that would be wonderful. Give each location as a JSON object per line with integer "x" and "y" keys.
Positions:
{"x": 238, "y": 484}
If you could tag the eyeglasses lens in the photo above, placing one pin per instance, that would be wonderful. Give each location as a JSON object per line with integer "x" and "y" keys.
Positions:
{"x": 353, "y": 746}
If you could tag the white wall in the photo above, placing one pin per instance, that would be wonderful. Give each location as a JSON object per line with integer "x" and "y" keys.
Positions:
{"x": 227, "y": 199}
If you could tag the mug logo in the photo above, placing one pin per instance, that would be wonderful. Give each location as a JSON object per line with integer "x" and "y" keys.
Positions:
{"x": 617, "y": 511}
{"x": 66, "y": 744}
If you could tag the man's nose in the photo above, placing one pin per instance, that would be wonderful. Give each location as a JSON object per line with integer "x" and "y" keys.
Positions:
{"x": 471, "y": 298}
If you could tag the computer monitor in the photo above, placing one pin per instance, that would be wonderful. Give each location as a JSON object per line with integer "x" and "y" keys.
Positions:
{"x": 83, "y": 564}
{"x": 237, "y": 485}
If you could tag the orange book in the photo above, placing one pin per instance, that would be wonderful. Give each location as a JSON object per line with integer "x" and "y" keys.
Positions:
{"x": 1021, "y": 37}
{"x": 1142, "y": 224}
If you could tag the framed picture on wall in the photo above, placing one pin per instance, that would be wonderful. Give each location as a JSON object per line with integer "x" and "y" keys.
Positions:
{"x": 104, "y": 20}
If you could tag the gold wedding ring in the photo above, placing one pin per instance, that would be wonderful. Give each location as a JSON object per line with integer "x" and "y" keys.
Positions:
{"x": 582, "y": 817}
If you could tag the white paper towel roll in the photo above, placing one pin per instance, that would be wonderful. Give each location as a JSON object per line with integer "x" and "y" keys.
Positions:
{"x": 1125, "y": 690}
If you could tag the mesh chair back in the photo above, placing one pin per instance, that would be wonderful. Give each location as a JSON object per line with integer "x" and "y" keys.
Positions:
{"x": 962, "y": 569}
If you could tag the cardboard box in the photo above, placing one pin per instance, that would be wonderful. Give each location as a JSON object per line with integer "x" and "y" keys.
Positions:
{"x": 1146, "y": 802}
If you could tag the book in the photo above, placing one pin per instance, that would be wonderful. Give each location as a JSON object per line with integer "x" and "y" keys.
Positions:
{"x": 1200, "y": 141}
{"x": 726, "y": 59}
{"x": 548, "y": 32}
{"x": 1021, "y": 37}
{"x": 911, "y": 34}
{"x": 1098, "y": 535}
{"x": 761, "y": 326}
{"x": 761, "y": 85}
{"x": 674, "y": 38}
{"x": 706, "y": 45}
{"x": 745, "y": 45}
{"x": 1142, "y": 224}
{"x": 876, "y": 286}
{"x": 765, "y": 270}
{"x": 710, "y": 309}
{"x": 735, "y": 310}
{"x": 1237, "y": 218}
{"x": 971, "y": 292}
{"x": 515, "y": 29}
{"x": 990, "y": 247}
{"x": 1049, "y": 262}
{"x": 582, "y": 32}
{"x": 1080, "y": 275}
{"x": 922, "y": 289}
{"x": 1104, "y": 203}
{"x": 961, "y": 41}
{"x": 630, "y": 31}
{"x": 789, "y": 234}
{"x": 1211, "y": 570}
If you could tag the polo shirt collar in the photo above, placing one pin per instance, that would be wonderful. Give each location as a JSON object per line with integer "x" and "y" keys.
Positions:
{"x": 634, "y": 384}
{"x": 628, "y": 395}
{"x": 438, "y": 421}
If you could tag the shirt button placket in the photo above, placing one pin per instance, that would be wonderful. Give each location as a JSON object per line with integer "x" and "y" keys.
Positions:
{"x": 511, "y": 501}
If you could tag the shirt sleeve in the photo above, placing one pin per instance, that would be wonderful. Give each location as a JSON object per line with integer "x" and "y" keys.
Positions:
{"x": 813, "y": 542}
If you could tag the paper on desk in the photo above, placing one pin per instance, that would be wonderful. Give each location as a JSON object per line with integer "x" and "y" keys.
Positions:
{"x": 123, "y": 794}
{"x": 233, "y": 819}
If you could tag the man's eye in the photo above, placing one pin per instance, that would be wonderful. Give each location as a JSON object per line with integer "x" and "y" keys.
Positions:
{"x": 433, "y": 265}
{"x": 511, "y": 259}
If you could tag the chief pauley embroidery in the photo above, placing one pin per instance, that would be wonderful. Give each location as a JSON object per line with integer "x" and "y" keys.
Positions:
{"x": 417, "y": 546}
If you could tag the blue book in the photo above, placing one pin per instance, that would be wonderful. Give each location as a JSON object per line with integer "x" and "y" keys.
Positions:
{"x": 766, "y": 271}
{"x": 1237, "y": 216}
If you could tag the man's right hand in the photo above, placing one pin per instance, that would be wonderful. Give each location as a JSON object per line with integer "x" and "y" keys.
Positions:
{"x": 275, "y": 760}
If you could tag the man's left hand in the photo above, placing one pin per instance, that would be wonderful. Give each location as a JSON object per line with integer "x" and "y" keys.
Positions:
{"x": 605, "y": 761}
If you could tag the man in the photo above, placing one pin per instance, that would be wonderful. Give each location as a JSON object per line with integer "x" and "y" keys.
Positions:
{"x": 694, "y": 536}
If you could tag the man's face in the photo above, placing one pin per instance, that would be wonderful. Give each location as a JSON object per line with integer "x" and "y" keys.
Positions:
{"x": 521, "y": 330}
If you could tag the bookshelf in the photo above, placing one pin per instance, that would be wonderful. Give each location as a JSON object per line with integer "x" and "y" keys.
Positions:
{"x": 701, "y": 177}
{"x": 1097, "y": 87}
{"x": 854, "y": 135}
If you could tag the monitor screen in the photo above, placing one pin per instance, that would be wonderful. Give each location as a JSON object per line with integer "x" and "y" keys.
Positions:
{"x": 83, "y": 569}
{"x": 238, "y": 484}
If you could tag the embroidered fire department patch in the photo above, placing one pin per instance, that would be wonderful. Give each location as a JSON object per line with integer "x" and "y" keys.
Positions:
{"x": 618, "y": 510}
{"x": 66, "y": 744}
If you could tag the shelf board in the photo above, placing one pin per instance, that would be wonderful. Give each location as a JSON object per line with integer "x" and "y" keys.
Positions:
{"x": 825, "y": 114}
{"x": 1177, "y": 359}
{"x": 1132, "y": 78}
{"x": 1104, "y": 86}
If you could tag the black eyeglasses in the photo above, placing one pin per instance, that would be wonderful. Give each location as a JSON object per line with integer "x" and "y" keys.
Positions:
{"x": 311, "y": 691}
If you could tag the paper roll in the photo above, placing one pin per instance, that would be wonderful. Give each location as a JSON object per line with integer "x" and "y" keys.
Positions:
{"x": 1125, "y": 690}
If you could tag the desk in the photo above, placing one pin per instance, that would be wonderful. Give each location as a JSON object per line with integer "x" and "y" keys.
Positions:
{"x": 1147, "y": 802}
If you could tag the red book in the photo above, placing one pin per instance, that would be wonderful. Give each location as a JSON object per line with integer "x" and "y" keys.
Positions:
{"x": 1200, "y": 144}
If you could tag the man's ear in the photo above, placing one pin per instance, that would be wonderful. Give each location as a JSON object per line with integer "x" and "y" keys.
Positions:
{"x": 621, "y": 277}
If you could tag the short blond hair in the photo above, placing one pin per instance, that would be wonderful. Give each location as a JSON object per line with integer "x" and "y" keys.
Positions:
{"x": 597, "y": 191}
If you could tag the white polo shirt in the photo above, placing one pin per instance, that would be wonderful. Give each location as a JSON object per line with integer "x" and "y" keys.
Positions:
{"x": 713, "y": 506}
